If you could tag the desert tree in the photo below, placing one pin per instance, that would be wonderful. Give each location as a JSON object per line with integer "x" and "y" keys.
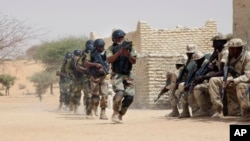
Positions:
{"x": 51, "y": 53}
{"x": 7, "y": 80}
{"x": 14, "y": 35}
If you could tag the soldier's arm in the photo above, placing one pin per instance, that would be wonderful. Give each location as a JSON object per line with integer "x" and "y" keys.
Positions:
{"x": 245, "y": 77}
{"x": 88, "y": 63}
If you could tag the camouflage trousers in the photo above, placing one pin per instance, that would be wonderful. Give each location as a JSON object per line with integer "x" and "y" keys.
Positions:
{"x": 202, "y": 97}
{"x": 123, "y": 86}
{"x": 86, "y": 91}
{"x": 64, "y": 91}
{"x": 236, "y": 103}
{"x": 98, "y": 89}
{"x": 75, "y": 91}
{"x": 186, "y": 100}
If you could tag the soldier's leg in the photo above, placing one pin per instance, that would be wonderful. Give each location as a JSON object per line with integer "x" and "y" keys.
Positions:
{"x": 233, "y": 104}
{"x": 174, "y": 102}
{"x": 104, "y": 99}
{"x": 192, "y": 103}
{"x": 215, "y": 84}
{"x": 184, "y": 102}
{"x": 185, "y": 109}
{"x": 128, "y": 96}
{"x": 61, "y": 97}
{"x": 95, "y": 98}
{"x": 118, "y": 87}
{"x": 77, "y": 94}
{"x": 87, "y": 92}
{"x": 202, "y": 99}
{"x": 243, "y": 99}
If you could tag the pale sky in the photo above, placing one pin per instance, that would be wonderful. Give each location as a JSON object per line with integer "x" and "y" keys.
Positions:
{"x": 80, "y": 17}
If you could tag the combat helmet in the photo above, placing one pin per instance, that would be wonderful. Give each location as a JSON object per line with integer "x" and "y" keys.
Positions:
{"x": 197, "y": 55}
{"x": 77, "y": 52}
{"x": 219, "y": 40}
{"x": 236, "y": 42}
{"x": 99, "y": 43}
{"x": 68, "y": 55}
{"x": 89, "y": 46}
{"x": 118, "y": 34}
{"x": 220, "y": 36}
{"x": 190, "y": 48}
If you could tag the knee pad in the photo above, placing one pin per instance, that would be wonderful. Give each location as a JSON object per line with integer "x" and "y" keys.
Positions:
{"x": 127, "y": 101}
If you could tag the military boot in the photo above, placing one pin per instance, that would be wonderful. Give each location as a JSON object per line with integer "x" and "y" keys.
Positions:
{"x": 174, "y": 113}
{"x": 203, "y": 111}
{"x": 103, "y": 114}
{"x": 185, "y": 112}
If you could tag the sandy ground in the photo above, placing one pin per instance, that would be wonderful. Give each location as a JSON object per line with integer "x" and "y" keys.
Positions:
{"x": 25, "y": 118}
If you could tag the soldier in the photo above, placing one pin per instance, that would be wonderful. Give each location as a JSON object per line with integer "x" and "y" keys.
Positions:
{"x": 171, "y": 85}
{"x": 86, "y": 77}
{"x": 76, "y": 85}
{"x": 122, "y": 57}
{"x": 239, "y": 58}
{"x": 64, "y": 82}
{"x": 98, "y": 69}
{"x": 216, "y": 62}
{"x": 185, "y": 73}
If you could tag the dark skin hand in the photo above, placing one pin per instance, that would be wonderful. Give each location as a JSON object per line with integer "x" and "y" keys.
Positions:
{"x": 124, "y": 52}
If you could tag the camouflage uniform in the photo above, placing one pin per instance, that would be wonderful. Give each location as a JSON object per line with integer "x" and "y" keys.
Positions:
{"x": 123, "y": 86}
{"x": 86, "y": 83}
{"x": 200, "y": 91}
{"x": 64, "y": 86}
{"x": 191, "y": 66}
{"x": 99, "y": 87}
{"x": 171, "y": 87}
{"x": 76, "y": 85}
{"x": 201, "y": 94}
{"x": 242, "y": 66}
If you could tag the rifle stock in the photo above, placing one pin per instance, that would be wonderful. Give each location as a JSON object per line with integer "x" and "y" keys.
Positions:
{"x": 224, "y": 92}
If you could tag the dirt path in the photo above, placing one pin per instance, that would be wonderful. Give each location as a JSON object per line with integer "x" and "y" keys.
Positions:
{"x": 24, "y": 118}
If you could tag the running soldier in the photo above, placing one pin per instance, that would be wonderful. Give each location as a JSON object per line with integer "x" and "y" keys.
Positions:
{"x": 76, "y": 85}
{"x": 64, "y": 82}
{"x": 122, "y": 55}
{"x": 98, "y": 69}
{"x": 86, "y": 85}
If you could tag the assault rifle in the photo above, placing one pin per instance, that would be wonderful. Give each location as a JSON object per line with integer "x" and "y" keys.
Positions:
{"x": 224, "y": 92}
{"x": 182, "y": 72}
{"x": 160, "y": 94}
{"x": 126, "y": 45}
{"x": 98, "y": 59}
{"x": 201, "y": 72}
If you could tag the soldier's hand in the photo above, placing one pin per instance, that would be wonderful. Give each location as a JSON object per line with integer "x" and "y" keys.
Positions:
{"x": 125, "y": 52}
{"x": 229, "y": 83}
{"x": 198, "y": 80}
{"x": 99, "y": 66}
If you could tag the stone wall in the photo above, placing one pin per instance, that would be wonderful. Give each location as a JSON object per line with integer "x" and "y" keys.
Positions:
{"x": 241, "y": 19}
{"x": 158, "y": 50}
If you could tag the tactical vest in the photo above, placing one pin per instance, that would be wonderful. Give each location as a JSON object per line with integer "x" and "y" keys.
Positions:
{"x": 94, "y": 70}
{"x": 76, "y": 73}
{"x": 122, "y": 64}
